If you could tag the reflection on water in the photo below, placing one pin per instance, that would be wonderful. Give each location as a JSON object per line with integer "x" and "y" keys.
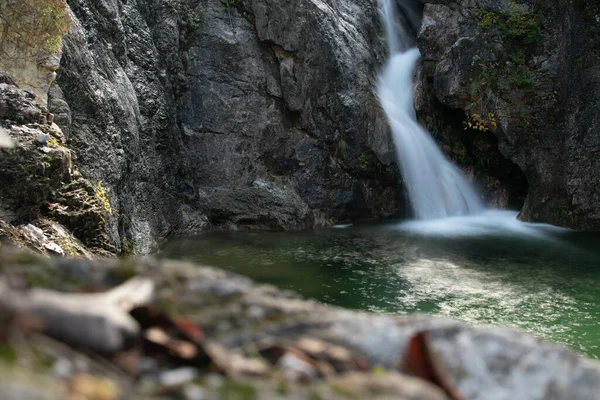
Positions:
{"x": 545, "y": 281}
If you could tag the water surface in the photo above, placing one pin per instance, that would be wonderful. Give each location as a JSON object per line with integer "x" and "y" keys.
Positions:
{"x": 481, "y": 270}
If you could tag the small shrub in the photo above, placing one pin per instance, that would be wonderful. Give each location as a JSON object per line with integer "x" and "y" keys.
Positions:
{"x": 520, "y": 77}
{"x": 342, "y": 149}
{"x": 32, "y": 28}
{"x": 520, "y": 24}
{"x": 102, "y": 195}
{"x": 517, "y": 58}
{"x": 363, "y": 162}
{"x": 487, "y": 19}
{"x": 229, "y": 5}
{"x": 189, "y": 15}
{"x": 483, "y": 124}
{"x": 515, "y": 23}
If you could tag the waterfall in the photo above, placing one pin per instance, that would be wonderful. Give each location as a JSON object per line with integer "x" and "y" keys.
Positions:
{"x": 436, "y": 188}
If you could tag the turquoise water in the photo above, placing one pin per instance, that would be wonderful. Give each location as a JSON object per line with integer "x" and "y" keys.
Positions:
{"x": 544, "y": 281}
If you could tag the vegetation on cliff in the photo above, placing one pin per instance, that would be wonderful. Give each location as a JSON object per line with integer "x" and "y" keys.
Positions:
{"x": 32, "y": 28}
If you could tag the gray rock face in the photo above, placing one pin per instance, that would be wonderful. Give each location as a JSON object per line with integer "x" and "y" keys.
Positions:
{"x": 41, "y": 186}
{"x": 32, "y": 170}
{"x": 534, "y": 67}
{"x": 180, "y": 109}
{"x": 18, "y": 105}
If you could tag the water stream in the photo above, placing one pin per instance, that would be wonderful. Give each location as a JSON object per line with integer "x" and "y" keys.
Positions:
{"x": 436, "y": 188}
{"x": 457, "y": 258}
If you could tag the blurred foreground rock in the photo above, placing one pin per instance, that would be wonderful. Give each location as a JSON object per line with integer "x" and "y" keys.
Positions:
{"x": 209, "y": 334}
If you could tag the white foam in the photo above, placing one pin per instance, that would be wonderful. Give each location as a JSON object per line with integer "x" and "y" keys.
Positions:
{"x": 486, "y": 223}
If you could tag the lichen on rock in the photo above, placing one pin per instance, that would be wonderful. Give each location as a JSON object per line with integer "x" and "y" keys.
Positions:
{"x": 44, "y": 200}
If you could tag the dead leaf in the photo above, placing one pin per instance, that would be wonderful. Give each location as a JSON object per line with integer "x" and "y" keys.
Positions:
{"x": 419, "y": 361}
{"x": 191, "y": 330}
{"x": 88, "y": 387}
{"x": 173, "y": 347}
{"x": 340, "y": 358}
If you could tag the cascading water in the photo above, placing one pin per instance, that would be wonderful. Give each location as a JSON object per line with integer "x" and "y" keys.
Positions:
{"x": 437, "y": 189}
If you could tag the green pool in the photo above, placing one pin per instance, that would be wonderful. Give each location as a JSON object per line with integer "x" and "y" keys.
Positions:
{"x": 538, "y": 278}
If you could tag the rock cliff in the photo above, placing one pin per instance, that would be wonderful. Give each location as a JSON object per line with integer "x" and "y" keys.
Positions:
{"x": 227, "y": 114}
{"x": 254, "y": 114}
{"x": 526, "y": 71}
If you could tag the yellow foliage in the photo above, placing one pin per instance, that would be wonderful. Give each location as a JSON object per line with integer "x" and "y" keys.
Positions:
{"x": 32, "y": 28}
{"x": 102, "y": 195}
{"x": 481, "y": 124}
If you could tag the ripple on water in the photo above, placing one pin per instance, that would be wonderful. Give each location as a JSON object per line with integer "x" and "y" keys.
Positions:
{"x": 484, "y": 269}
{"x": 529, "y": 302}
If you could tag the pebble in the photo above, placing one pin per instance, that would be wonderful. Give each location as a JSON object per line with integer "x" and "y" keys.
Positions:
{"x": 296, "y": 369}
{"x": 42, "y": 139}
{"x": 62, "y": 368}
{"x": 179, "y": 376}
{"x": 194, "y": 392}
{"x": 54, "y": 248}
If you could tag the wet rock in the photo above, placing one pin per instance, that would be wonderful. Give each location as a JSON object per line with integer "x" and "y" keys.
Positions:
{"x": 258, "y": 207}
{"x": 60, "y": 109}
{"x": 539, "y": 83}
{"x": 83, "y": 208}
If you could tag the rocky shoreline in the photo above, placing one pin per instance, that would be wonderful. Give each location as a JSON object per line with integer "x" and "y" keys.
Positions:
{"x": 210, "y": 334}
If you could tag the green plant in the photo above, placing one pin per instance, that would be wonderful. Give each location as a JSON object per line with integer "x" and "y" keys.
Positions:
{"x": 517, "y": 58}
{"x": 520, "y": 24}
{"x": 342, "y": 149}
{"x": 363, "y": 162}
{"x": 487, "y": 19}
{"x": 524, "y": 119}
{"x": 32, "y": 28}
{"x": 189, "y": 15}
{"x": 102, "y": 195}
{"x": 520, "y": 77}
{"x": 478, "y": 123}
{"x": 515, "y": 23}
{"x": 481, "y": 117}
{"x": 236, "y": 391}
{"x": 53, "y": 142}
{"x": 229, "y": 5}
